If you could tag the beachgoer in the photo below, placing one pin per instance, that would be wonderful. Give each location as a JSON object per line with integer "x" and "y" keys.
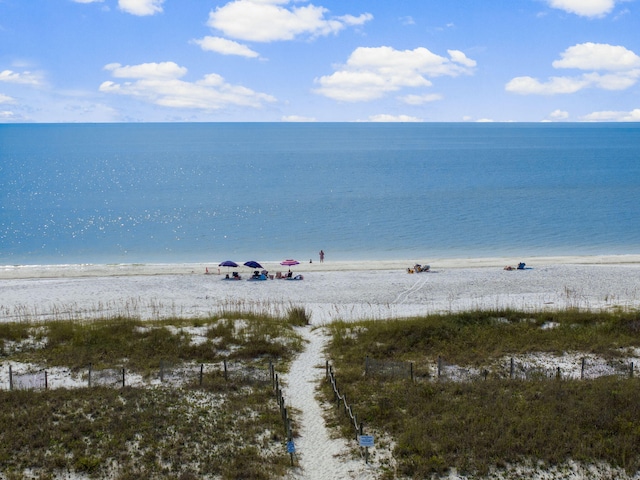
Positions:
{"x": 321, "y": 256}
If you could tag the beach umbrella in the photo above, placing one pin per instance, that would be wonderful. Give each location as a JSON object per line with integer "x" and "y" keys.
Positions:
{"x": 252, "y": 264}
{"x": 289, "y": 262}
{"x": 228, "y": 263}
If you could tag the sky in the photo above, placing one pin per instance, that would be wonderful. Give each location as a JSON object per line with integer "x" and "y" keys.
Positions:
{"x": 319, "y": 60}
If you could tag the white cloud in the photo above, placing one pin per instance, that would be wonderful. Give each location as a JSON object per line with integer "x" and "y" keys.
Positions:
{"x": 393, "y": 118}
{"x": 6, "y": 99}
{"x": 370, "y": 73}
{"x": 268, "y": 20}
{"x": 225, "y": 47}
{"x": 618, "y": 81}
{"x": 160, "y": 84}
{"x": 555, "y": 85}
{"x": 598, "y": 56}
{"x": 458, "y": 57}
{"x": 609, "y": 67}
{"x": 141, "y": 7}
{"x": 147, "y": 70}
{"x": 559, "y": 115}
{"x": 408, "y": 20}
{"x": 88, "y": 1}
{"x": 584, "y": 8}
{"x": 24, "y": 78}
{"x": 8, "y": 115}
{"x": 297, "y": 118}
{"x": 420, "y": 99}
{"x": 612, "y": 116}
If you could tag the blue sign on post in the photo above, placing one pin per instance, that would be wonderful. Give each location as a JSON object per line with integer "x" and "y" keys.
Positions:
{"x": 291, "y": 447}
{"x": 366, "y": 440}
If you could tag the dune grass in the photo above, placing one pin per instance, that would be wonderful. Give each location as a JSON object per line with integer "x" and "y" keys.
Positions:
{"x": 481, "y": 425}
{"x": 135, "y": 433}
{"x": 215, "y": 429}
{"x": 141, "y": 345}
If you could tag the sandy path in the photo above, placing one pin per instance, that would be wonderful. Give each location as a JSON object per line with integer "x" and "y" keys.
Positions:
{"x": 319, "y": 456}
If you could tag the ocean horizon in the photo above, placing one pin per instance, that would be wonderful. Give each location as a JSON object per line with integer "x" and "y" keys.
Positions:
{"x": 191, "y": 193}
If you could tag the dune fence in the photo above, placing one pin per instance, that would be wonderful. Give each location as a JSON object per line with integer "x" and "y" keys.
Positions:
{"x": 579, "y": 368}
{"x": 168, "y": 374}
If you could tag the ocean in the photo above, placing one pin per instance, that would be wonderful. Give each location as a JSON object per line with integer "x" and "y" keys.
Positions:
{"x": 175, "y": 193}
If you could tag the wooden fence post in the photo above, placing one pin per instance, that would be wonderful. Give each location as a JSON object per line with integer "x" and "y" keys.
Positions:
{"x": 46, "y": 381}
{"x": 584, "y": 361}
{"x": 123, "y": 377}
{"x": 285, "y": 418}
{"x": 89, "y": 375}
{"x": 439, "y": 366}
{"x": 224, "y": 363}
{"x": 512, "y": 369}
{"x": 631, "y": 370}
{"x": 10, "y": 378}
{"x": 161, "y": 370}
{"x": 201, "y": 372}
{"x": 411, "y": 370}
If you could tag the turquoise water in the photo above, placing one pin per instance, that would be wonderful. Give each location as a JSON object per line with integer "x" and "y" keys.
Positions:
{"x": 142, "y": 193}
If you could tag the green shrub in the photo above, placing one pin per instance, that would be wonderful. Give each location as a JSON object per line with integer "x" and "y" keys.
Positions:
{"x": 299, "y": 317}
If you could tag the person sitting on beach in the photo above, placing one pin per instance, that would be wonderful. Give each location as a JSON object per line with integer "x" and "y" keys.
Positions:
{"x": 289, "y": 274}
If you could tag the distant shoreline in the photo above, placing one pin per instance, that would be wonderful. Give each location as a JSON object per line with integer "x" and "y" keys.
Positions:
{"x": 149, "y": 269}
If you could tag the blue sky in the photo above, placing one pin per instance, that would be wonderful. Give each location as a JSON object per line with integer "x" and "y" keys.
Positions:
{"x": 319, "y": 60}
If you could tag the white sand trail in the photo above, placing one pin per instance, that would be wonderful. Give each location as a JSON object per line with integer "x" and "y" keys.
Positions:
{"x": 319, "y": 455}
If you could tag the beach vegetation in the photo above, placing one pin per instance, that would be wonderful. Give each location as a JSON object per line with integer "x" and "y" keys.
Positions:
{"x": 142, "y": 345}
{"x": 483, "y": 423}
{"x": 143, "y": 432}
{"x": 211, "y": 426}
{"x": 299, "y": 316}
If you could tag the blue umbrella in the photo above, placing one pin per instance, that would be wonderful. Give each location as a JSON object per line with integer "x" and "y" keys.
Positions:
{"x": 228, "y": 263}
{"x": 252, "y": 264}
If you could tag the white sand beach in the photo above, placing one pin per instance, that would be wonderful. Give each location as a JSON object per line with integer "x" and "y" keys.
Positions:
{"x": 329, "y": 291}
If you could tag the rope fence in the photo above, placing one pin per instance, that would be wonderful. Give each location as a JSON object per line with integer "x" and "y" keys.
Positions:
{"x": 168, "y": 373}
{"x": 513, "y": 369}
{"x": 342, "y": 403}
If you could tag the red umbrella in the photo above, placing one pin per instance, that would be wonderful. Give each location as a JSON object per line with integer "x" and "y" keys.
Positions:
{"x": 289, "y": 262}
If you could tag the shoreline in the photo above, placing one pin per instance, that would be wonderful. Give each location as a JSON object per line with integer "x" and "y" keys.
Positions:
{"x": 8, "y": 272}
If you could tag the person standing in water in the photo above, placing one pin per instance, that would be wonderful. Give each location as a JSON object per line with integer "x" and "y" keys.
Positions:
{"x": 321, "y": 256}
